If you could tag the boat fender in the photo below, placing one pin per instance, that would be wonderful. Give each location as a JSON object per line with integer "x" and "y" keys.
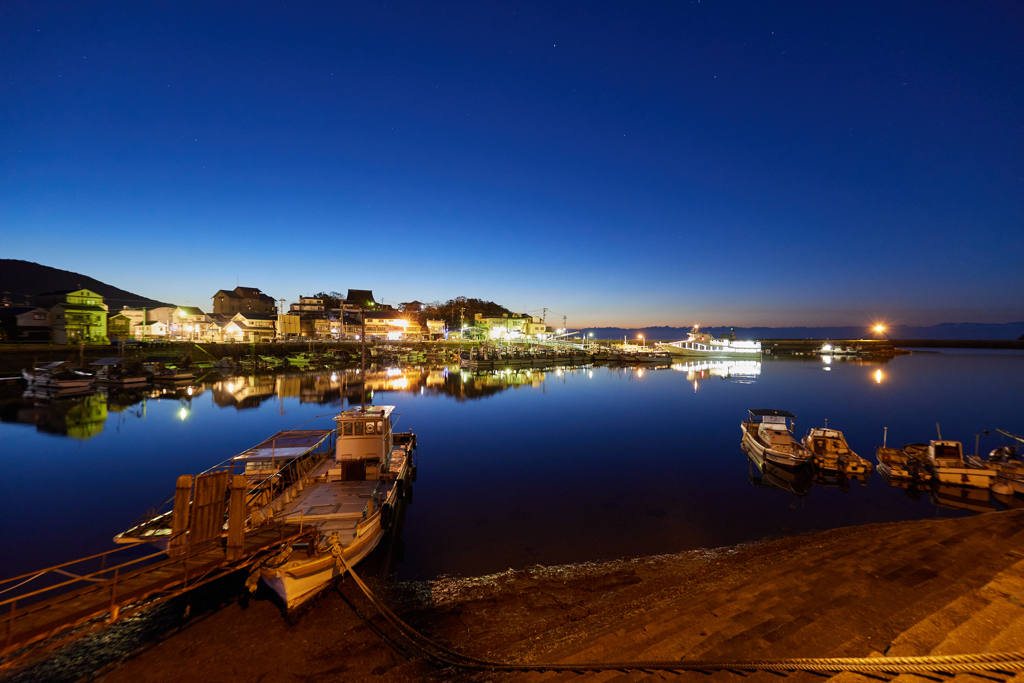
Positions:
{"x": 413, "y": 477}
{"x": 400, "y": 488}
{"x": 385, "y": 516}
{"x": 408, "y": 496}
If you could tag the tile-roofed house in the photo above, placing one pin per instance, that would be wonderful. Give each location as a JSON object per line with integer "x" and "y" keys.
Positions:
{"x": 242, "y": 300}
{"x": 359, "y": 298}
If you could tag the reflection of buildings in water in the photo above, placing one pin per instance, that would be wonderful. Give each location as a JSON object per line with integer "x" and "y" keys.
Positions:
{"x": 80, "y": 418}
{"x": 739, "y": 370}
{"x": 244, "y": 391}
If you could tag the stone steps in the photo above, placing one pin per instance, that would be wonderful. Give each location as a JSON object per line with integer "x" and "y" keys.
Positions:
{"x": 937, "y": 587}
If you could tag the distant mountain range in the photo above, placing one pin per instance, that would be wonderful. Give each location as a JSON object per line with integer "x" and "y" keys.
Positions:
{"x": 22, "y": 280}
{"x": 943, "y": 331}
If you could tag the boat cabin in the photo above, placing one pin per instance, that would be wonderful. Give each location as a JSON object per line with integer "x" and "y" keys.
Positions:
{"x": 365, "y": 442}
{"x": 946, "y": 453}
{"x": 828, "y": 442}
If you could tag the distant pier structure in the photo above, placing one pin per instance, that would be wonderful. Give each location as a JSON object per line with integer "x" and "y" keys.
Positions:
{"x": 838, "y": 347}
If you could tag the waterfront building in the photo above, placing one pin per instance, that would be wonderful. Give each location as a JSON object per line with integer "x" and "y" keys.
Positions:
{"x": 76, "y": 317}
{"x": 189, "y": 322}
{"x": 435, "y": 328}
{"x": 511, "y": 326}
{"x": 242, "y": 300}
{"x": 250, "y": 327}
{"x": 359, "y": 299}
{"x": 119, "y": 327}
{"x": 288, "y": 326}
{"x": 151, "y": 329}
{"x": 25, "y": 323}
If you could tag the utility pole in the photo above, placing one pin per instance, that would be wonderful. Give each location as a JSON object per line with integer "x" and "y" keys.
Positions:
{"x": 544, "y": 313}
{"x": 362, "y": 369}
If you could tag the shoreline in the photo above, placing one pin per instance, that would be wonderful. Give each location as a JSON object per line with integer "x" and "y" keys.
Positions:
{"x": 844, "y": 592}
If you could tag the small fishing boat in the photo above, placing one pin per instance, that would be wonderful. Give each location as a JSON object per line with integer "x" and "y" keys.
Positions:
{"x": 946, "y": 462}
{"x": 768, "y": 437}
{"x": 1008, "y": 467}
{"x": 903, "y": 464}
{"x": 119, "y": 372}
{"x": 58, "y": 375}
{"x": 349, "y": 499}
{"x": 830, "y": 453}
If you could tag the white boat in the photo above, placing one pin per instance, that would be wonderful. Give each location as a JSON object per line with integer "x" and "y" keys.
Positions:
{"x": 946, "y": 461}
{"x": 831, "y": 453}
{"x": 768, "y": 437}
{"x": 700, "y": 343}
{"x": 57, "y": 375}
{"x": 349, "y": 499}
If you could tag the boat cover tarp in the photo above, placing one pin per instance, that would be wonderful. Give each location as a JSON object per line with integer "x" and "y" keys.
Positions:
{"x": 767, "y": 412}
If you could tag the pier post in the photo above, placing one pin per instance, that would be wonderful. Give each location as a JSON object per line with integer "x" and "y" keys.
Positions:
{"x": 179, "y": 517}
{"x": 236, "y": 518}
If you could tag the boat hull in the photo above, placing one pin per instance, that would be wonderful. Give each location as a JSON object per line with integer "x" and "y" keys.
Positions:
{"x": 763, "y": 453}
{"x": 964, "y": 476}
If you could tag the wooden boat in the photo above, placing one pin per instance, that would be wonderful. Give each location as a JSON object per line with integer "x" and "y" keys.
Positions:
{"x": 271, "y": 467}
{"x": 349, "y": 499}
{"x": 764, "y": 475}
{"x": 946, "y": 462}
{"x": 831, "y": 453}
{"x": 768, "y": 437}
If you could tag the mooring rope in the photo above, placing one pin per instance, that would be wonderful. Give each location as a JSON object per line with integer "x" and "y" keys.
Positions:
{"x": 1006, "y": 663}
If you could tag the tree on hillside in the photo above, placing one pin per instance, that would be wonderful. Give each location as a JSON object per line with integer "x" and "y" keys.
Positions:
{"x": 461, "y": 309}
{"x": 331, "y": 299}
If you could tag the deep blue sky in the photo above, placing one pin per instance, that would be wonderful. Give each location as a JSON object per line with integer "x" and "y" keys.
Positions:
{"x": 739, "y": 163}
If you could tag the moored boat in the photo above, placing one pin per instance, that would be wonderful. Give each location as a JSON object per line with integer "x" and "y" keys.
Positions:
{"x": 946, "y": 462}
{"x": 903, "y": 464}
{"x": 767, "y": 436}
{"x": 57, "y": 375}
{"x": 349, "y": 499}
{"x": 830, "y": 453}
{"x": 699, "y": 343}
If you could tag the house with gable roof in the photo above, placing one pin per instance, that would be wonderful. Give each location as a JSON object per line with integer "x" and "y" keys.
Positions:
{"x": 242, "y": 300}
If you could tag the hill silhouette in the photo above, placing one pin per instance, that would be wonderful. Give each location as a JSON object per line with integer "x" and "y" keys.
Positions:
{"x": 22, "y": 280}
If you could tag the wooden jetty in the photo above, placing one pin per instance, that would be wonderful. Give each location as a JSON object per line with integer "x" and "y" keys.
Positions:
{"x": 84, "y": 595}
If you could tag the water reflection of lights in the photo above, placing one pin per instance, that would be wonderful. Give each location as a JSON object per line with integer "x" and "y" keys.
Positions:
{"x": 394, "y": 372}
{"x": 730, "y": 369}
{"x": 189, "y": 391}
{"x": 590, "y": 374}
{"x": 183, "y": 413}
{"x": 334, "y": 377}
{"x": 231, "y": 386}
{"x": 640, "y": 372}
{"x": 827, "y": 360}
{"x": 878, "y": 376}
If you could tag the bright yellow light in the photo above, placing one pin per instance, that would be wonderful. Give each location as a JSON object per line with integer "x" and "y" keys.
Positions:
{"x": 189, "y": 391}
{"x": 183, "y": 414}
{"x": 878, "y": 376}
{"x": 879, "y": 328}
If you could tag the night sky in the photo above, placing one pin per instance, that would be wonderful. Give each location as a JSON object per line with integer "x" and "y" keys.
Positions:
{"x": 743, "y": 163}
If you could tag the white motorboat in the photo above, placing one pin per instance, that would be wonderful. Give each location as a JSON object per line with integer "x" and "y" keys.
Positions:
{"x": 349, "y": 499}
{"x": 946, "y": 461}
{"x": 1009, "y": 469}
{"x": 57, "y": 375}
{"x": 699, "y": 343}
{"x": 768, "y": 437}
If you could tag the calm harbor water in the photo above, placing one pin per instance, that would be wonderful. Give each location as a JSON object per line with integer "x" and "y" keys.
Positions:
{"x": 515, "y": 468}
